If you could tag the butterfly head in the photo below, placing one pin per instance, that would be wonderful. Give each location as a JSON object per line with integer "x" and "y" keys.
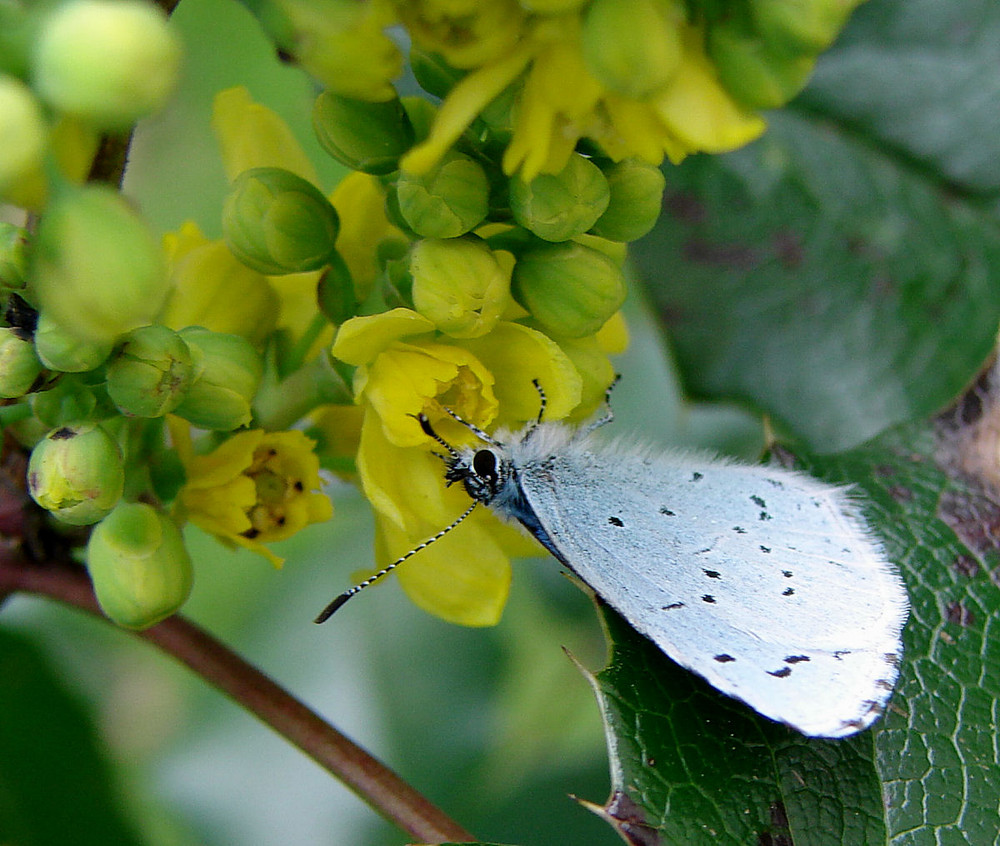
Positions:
{"x": 483, "y": 471}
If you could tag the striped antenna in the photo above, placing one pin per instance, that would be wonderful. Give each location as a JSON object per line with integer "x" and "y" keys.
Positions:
{"x": 327, "y": 612}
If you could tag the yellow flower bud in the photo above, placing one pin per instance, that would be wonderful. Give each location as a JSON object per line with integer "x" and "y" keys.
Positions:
{"x": 559, "y": 206}
{"x": 76, "y": 472}
{"x": 633, "y": 47}
{"x": 95, "y": 267}
{"x": 22, "y": 133}
{"x": 636, "y": 200}
{"x": 151, "y": 372}
{"x": 20, "y": 369}
{"x": 138, "y": 564}
{"x": 277, "y": 223}
{"x": 13, "y": 256}
{"x": 227, "y": 372}
{"x": 365, "y": 136}
{"x": 446, "y": 202}
{"x": 459, "y": 285}
{"x": 110, "y": 62}
{"x": 62, "y": 351}
{"x": 800, "y": 26}
{"x": 752, "y": 71}
{"x": 569, "y": 289}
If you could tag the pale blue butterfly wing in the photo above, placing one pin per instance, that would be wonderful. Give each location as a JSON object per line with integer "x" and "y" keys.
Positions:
{"x": 764, "y": 581}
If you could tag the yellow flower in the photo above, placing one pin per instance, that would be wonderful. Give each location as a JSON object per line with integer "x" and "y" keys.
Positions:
{"x": 467, "y": 33}
{"x": 562, "y": 101}
{"x": 404, "y": 369}
{"x": 255, "y": 488}
{"x": 211, "y": 288}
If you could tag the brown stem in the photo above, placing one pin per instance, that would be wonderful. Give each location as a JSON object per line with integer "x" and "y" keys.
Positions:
{"x": 370, "y": 779}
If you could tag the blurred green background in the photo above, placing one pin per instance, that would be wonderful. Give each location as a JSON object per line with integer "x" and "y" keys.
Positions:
{"x": 496, "y": 726}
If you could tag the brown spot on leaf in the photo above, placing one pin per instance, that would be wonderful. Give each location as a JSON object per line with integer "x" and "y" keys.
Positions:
{"x": 900, "y": 493}
{"x": 685, "y": 208}
{"x": 733, "y": 256}
{"x": 788, "y": 247}
{"x": 779, "y": 832}
{"x": 957, "y": 613}
{"x": 966, "y": 565}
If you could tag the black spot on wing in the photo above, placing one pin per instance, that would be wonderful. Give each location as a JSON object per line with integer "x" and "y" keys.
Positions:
{"x": 615, "y": 521}
{"x": 783, "y": 673}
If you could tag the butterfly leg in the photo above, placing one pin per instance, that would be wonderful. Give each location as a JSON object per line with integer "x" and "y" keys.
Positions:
{"x": 609, "y": 413}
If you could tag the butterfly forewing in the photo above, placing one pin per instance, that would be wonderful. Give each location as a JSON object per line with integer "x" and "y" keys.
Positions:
{"x": 761, "y": 580}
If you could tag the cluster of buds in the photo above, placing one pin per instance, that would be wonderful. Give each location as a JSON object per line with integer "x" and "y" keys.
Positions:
{"x": 476, "y": 247}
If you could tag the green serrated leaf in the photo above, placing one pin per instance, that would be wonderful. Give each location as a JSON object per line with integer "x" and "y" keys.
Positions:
{"x": 824, "y": 282}
{"x": 706, "y": 769}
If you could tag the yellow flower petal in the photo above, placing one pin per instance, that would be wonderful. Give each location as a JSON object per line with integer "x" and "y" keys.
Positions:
{"x": 698, "y": 110}
{"x": 463, "y": 578}
{"x": 214, "y": 290}
{"x": 251, "y": 135}
{"x": 466, "y": 100}
{"x": 360, "y": 339}
{"x": 253, "y": 488}
{"x": 518, "y": 354}
{"x": 360, "y": 201}
{"x": 408, "y": 379}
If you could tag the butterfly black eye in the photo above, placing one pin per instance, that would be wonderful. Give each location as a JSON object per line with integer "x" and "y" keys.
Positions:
{"x": 484, "y": 463}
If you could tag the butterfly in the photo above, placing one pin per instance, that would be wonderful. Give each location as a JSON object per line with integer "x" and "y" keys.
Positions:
{"x": 766, "y": 582}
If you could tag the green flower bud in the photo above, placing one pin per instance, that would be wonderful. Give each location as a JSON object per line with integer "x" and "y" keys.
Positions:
{"x": 364, "y": 136}
{"x": 13, "y": 241}
{"x": 227, "y": 372}
{"x": 559, "y": 206}
{"x": 277, "y": 223}
{"x": 20, "y": 368}
{"x": 449, "y": 201}
{"x": 76, "y": 472}
{"x": 459, "y": 285}
{"x": 335, "y": 293}
{"x": 138, "y": 564}
{"x": 109, "y": 62}
{"x": 63, "y": 351}
{"x": 151, "y": 373}
{"x": 67, "y": 401}
{"x": 22, "y": 133}
{"x": 636, "y": 200}
{"x": 753, "y": 73}
{"x": 571, "y": 290}
{"x": 95, "y": 266}
{"x": 800, "y": 26}
{"x": 633, "y": 47}
{"x": 433, "y": 73}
